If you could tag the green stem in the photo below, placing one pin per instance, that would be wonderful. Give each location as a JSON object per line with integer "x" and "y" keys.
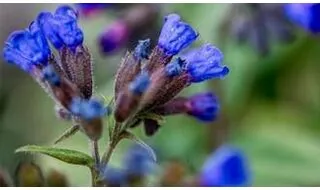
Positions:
{"x": 94, "y": 175}
{"x": 94, "y": 169}
{"x": 95, "y": 152}
{"x": 112, "y": 145}
{"x": 115, "y": 139}
{"x": 106, "y": 157}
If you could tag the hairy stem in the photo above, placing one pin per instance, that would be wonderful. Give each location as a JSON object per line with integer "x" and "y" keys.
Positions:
{"x": 95, "y": 169}
{"x": 112, "y": 144}
{"x": 95, "y": 153}
{"x": 115, "y": 139}
{"x": 106, "y": 157}
{"x": 94, "y": 175}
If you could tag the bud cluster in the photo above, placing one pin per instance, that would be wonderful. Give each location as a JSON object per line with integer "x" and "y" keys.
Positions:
{"x": 148, "y": 81}
{"x": 66, "y": 75}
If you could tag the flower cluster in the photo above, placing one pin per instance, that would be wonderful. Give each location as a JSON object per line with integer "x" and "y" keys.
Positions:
{"x": 151, "y": 87}
{"x": 68, "y": 78}
{"x": 139, "y": 88}
{"x": 147, "y": 82}
{"x": 305, "y": 15}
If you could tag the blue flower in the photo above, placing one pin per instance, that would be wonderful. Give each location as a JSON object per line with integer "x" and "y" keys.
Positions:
{"x": 40, "y": 39}
{"x": 76, "y": 106}
{"x": 175, "y": 35}
{"x": 94, "y": 109}
{"x": 203, "y": 106}
{"x": 88, "y": 109}
{"x": 205, "y": 63}
{"x": 225, "y": 167}
{"x": 27, "y": 48}
{"x": 61, "y": 28}
{"x": 137, "y": 161}
{"x": 65, "y": 10}
{"x": 142, "y": 50}
{"x": 140, "y": 83}
{"x": 49, "y": 74}
{"x": 114, "y": 177}
{"x": 304, "y": 14}
{"x": 174, "y": 68}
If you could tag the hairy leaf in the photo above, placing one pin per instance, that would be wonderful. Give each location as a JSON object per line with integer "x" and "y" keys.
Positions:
{"x": 65, "y": 155}
{"x": 68, "y": 133}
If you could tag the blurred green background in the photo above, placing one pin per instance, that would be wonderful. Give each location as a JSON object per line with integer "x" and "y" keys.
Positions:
{"x": 270, "y": 105}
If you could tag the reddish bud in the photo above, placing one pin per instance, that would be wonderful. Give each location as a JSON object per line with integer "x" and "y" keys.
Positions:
{"x": 126, "y": 104}
{"x": 128, "y": 70}
{"x": 78, "y": 68}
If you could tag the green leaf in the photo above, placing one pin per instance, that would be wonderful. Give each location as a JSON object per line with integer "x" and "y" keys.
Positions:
{"x": 67, "y": 134}
{"x": 65, "y": 155}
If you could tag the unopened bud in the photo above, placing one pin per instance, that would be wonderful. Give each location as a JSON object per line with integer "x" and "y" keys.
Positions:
{"x": 128, "y": 70}
{"x": 129, "y": 100}
{"x": 93, "y": 128}
{"x": 78, "y": 68}
{"x": 163, "y": 88}
{"x": 158, "y": 59}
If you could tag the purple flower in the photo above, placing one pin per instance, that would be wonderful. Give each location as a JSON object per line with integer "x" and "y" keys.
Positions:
{"x": 225, "y": 167}
{"x": 62, "y": 27}
{"x": 304, "y": 14}
{"x": 203, "y": 106}
{"x": 27, "y": 48}
{"x": 205, "y": 63}
{"x": 114, "y": 37}
{"x": 175, "y": 35}
{"x": 140, "y": 83}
